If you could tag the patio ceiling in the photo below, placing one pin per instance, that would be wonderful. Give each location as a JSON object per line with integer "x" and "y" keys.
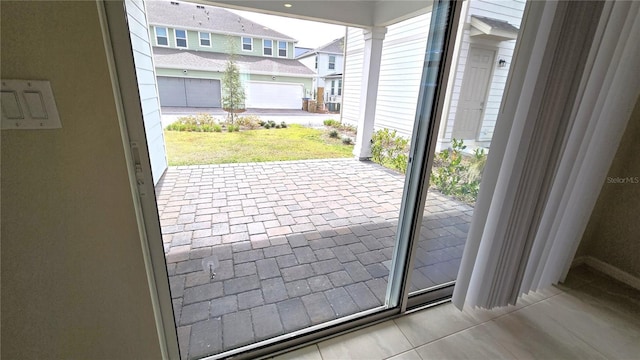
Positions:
{"x": 357, "y": 13}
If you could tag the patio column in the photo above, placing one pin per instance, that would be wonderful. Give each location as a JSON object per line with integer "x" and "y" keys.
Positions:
{"x": 373, "y": 38}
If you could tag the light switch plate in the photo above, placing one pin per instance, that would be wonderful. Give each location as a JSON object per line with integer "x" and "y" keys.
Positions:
{"x": 28, "y": 105}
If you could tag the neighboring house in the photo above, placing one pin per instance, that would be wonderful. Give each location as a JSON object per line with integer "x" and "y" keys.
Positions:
{"x": 327, "y": 62}
{"x": 486, "y": 44}
{"x": 191, "y": 45}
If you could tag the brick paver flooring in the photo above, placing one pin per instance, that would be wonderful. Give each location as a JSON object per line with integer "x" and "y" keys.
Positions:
{"x": 295, "y": 243}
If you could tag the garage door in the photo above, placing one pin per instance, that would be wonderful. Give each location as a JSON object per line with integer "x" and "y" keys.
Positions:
{"x": 183, "y": 92}
{"x": 263, "y": 95}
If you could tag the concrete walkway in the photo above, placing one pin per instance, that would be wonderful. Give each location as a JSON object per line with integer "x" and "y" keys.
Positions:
{"x": 296, "y": 243}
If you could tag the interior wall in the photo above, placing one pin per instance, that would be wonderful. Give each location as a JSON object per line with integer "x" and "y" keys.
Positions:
{"x": 613, "y": 232}
{"x": 73, "y": 277}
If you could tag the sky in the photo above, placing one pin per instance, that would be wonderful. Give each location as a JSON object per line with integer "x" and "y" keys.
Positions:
{"x": 309, "y": 34}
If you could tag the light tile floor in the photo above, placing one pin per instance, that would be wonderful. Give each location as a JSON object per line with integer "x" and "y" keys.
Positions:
{"x": 590, "y": 316}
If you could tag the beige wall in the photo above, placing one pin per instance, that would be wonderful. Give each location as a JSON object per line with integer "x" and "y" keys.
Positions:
{"x": 613, "y": 232}
{"x": 73, "y": 279}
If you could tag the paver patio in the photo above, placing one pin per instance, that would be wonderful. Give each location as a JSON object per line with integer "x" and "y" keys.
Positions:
{"x": 297, "y": 243}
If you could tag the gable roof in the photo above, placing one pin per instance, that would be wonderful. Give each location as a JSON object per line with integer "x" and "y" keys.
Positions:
{"x": 210, "y": 61}
{"x": 207, "y": 18}
{"x": 334, "y": 47}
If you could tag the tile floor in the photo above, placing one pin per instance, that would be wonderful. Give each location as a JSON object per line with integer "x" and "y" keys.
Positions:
{"x": 590, "y": 316}
{"x": 297, "y": 243}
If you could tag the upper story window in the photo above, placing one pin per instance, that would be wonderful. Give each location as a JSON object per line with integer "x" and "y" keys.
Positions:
{"x": 205, "y": 39}
{"x": 247, "y": 44}
{"x": 316, "y": 64}
{"x": 267, "y": 47}
{"x": 282, "y": 48}
{"x": 332, "y": 62}
{"x": 161, "y": 36}
{"x": 181, "y": 38}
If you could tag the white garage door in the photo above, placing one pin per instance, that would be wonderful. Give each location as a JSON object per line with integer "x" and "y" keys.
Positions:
{"x": 265, "y": 95}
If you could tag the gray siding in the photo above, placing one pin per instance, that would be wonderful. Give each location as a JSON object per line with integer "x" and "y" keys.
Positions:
{"x": 145, "y": 73}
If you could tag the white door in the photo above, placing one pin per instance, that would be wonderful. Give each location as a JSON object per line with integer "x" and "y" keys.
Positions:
{"x": 266, "y": 95}
{"x": 473, "y": 94}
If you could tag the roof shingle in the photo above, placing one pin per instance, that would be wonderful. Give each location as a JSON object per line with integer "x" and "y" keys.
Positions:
{"x": 210, "y": 61}
{"x": 209, "y": 18}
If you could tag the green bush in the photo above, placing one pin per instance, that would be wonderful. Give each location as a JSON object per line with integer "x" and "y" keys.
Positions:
{"x": 390, "y": 150}
{"x": 347, "y": 140}
{"x": 283, "y": 125}
{"x": 333, "y": 134}
{"x": 456, "y": 174}
{"x": 331, "y": 123}
{"x": 217, "y": 128}
{"x": 195, "y": 123}
{"x": 232, "y": 128}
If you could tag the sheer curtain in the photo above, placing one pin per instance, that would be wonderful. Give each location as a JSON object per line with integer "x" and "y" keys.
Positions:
{"x": 573, "y": 85}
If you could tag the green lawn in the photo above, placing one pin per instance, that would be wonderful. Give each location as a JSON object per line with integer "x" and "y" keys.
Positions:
{"x": 292, "y": 143}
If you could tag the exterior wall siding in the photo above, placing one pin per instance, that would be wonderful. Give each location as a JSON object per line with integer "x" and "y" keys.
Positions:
{"x": 507, "y": 10}
{"x": 222, "y": 43}
{"x": 143, "y": 58}
{"x": 401, "y": 69}
{"x": 352, "y": 76}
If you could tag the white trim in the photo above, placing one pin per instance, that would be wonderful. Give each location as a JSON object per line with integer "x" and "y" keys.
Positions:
{"x": 200, "y": 39}
{"x": 264, "y": 47}
{"x": 217, "y": 32}
{"x": 286, "y": 49}
{"x": 186, "y": 38}
{"x": 608, "y": 269}
{"x": 155, "y": 35}
{"x": 273, "y": 82}
{"x": 167, "y": 336}
{"x": 242, "y": 43}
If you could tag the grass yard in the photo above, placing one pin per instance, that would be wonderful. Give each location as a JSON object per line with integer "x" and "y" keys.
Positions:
{"x": 292, "y": 143}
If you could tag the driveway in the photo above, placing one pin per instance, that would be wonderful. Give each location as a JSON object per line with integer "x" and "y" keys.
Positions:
{"x": 171, "y": 114}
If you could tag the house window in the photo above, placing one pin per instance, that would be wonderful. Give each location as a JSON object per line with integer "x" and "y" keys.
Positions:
{"x": 316, "y": 64}
{"x": 161, "y": 36}
{"x": 267, "y": 47}
{"x": 181, "y": 38}
{"x": 332, "y": 62}
{"x": 247, "y": 44}
{"x": 336, "y": 90}
{"x": 205, "y": 39}
{"x": 339, "y": 87}
{"x": 282, "y": 48}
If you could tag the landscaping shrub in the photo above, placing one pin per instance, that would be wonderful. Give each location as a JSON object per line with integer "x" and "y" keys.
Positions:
{"x": 457, "y": 174}
{"x": 283, "y": 125}
{"x": 333, "y": 134}
{"x": 331, "y": 122}
{"x": 347, "y": 140}
{"x": 390, "y": 150}
{"x": 250, "y": 122}
{"x": 197, "y": 123}
{"x": 232, "y": 128}
{"x": 217, "y": 128}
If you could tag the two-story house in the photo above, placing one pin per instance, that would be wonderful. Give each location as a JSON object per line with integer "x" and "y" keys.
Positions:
{"x": 327, "y": 62}
{"x": 191, "y": 46}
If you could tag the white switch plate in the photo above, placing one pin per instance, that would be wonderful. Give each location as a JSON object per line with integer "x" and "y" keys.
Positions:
{"x": 27, "y": 105}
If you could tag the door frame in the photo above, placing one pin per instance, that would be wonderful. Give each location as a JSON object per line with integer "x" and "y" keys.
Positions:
{"x": 116, "y": 37}
{"x": 474, "y": 45}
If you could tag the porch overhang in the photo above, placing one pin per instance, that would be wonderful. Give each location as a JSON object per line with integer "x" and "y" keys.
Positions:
{"x": 492, "y": 29}
{"x": 356, "y": 13}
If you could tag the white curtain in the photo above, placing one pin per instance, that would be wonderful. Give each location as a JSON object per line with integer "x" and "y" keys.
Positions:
{"x": 559, "y": 128}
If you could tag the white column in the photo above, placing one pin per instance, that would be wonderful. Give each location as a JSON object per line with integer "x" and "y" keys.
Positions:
{"x": 373, "y": 38}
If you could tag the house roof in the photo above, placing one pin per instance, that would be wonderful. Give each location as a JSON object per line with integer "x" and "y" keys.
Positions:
{"x": 211, "y": 61}
{"x": 334, "y": 47}
{"x": 209, "y": 18}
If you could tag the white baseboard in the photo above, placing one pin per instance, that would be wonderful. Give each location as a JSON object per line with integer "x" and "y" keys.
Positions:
{"x": 608, "y": 269}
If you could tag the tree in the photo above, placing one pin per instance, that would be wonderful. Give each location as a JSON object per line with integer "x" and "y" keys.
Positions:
{"x": 234, "y": 97}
